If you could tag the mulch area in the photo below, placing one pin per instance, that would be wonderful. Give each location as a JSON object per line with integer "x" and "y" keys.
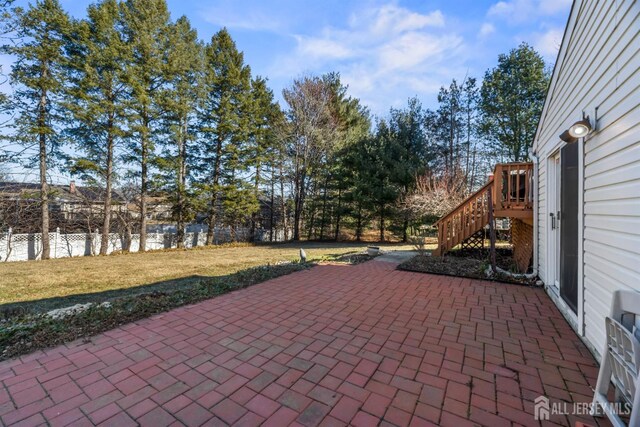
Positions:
{"x": 353, "y": 258}
{"x": 471, "y": 263}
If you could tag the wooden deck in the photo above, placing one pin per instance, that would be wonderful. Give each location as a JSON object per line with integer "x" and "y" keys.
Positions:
{"x": 508, "y": 194}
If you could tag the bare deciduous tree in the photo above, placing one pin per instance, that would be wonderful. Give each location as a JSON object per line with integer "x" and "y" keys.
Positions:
{"x": 311, "y": 126}
{"x": 435, "y": 196}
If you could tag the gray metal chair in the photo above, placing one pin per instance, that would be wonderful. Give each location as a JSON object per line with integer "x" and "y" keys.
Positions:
{"x": 621, "y": 359}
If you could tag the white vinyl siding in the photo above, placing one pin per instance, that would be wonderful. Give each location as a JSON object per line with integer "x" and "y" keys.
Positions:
{"x": 599, "y": 66}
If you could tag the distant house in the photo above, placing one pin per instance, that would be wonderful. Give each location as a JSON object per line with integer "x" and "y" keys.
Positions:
{"x": 72, "y": 208}
{"x": 587, "y": 201}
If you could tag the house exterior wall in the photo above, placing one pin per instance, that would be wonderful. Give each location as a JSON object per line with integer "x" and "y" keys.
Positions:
{"x": 598, "y": 72}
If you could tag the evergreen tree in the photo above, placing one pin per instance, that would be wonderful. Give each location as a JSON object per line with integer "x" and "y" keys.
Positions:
{"x": 377, "y": 162}
{"x": 354, "y": 180}
{"x": 469, "y": 108}
{"x": 265, "y": 118}
{"x": 97, "y": 100}
{"x": 146, "y": 28}
{"x": 38, "y": 76}
{"x": 7, "y": 28}
{"x": 179, "y": 100}
{"x": 239, "y": 203}
{"x": 6, "y": 16}
{"x": 224, "y": 121}
{"x": 512, "y": 97}
{"x": 406, "y": 130}
{"x": 353, "y": 125}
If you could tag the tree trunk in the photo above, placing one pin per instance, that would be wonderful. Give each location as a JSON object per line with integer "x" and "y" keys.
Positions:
{"x": 451, "y": 131}
{"x": 182, "y": 185}
{"x": 44, "y": 198}
{"x": 299, "y": 205}
{"x": 272, "y": 202}
{"x": 382, "y": 223}
{"x": 283, "y": 203}
{"x": 312, "y": 216}
{"x": 405, "y": 223}
{"x": 144, "y": 184}
{"x": 359, "y": 224}
{"x": 214, "y": 193}
{"x": 106, "y": 223}
{"x": 254, "y": 216}
{"x": 324, "y": 207}
{"x": 338, "y": 215}
{"x": 44, "y": 188}
{"x": 405, "y": 228}
{"x": 473, "y": 171}
{"x": 127, "y": 239}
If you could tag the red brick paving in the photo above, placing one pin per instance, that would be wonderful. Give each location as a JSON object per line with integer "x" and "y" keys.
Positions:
{"x": 362, "y": 345}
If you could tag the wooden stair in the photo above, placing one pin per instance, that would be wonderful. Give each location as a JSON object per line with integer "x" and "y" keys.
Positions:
{"x": 508, "y": 193}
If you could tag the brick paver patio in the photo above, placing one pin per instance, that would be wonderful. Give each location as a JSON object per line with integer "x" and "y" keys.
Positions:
{"x": 335, "y": 345}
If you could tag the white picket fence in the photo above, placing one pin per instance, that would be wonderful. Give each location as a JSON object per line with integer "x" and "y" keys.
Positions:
{"x": 23, "y": 247}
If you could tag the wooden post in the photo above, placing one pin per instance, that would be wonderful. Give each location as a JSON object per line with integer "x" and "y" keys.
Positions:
{"x": 492, "y": 235}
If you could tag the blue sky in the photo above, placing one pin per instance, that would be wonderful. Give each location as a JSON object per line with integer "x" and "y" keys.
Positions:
{"x": 385, "y": 50}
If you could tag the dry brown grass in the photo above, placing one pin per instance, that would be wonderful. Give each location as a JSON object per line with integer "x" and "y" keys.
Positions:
{"x": 38, "y": 280}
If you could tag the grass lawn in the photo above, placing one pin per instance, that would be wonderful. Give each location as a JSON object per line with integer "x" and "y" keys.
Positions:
{"x": 44, "y": 285}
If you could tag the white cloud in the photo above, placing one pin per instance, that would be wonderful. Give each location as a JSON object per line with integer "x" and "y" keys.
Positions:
{"x": 486, "y": 30}
{"x": 548, "y": 43}
{"x": 382, "y": 53}
{"x": 518, "y": 11}
{"x": 246, "y": 18}
{"x": 392, "y": 19}
{"x": 551, "y": 7}
{"x": 410, "y": 50}
{"x": 318, "y": 48}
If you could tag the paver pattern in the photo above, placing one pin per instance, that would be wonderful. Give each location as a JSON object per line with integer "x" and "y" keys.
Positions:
{"x": 361, "y": 345}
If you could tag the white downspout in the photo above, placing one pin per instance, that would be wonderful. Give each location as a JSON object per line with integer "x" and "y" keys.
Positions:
{"x": 534, "y": 158}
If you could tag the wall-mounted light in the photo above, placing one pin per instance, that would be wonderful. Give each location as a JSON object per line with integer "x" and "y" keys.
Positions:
{"x": 566, "y": 137}
{"x": 579, "y": 129}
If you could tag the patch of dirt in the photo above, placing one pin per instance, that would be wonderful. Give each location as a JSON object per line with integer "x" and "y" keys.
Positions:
{"x": 471, "y": 263}
{"x": 353, "y": 259}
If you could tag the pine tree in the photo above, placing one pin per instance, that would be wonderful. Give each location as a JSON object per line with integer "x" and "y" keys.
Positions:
{"x": 179, "y": 101}
{"x": 38, "y": 78}
{"x": 224, "y": 126}
{"x": 239, "y": 203}
{"x": 6, "y": 16}
{"x": 512, "y": 97}
{"x": 406, "y": 128}
{"x": 354, "y": 125}
{"x": 146, "y": 28}
{"x": 265, "y": 118}
{"x": 377, "y": 161}
{"x": 97, "y": 100}
{"x": 7, "y": 27}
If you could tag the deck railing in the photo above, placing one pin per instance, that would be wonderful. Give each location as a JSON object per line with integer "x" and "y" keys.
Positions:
{"x": 509, "y": 193}
{"x": 465, "y": 220}
{"x": 512, "y": 188}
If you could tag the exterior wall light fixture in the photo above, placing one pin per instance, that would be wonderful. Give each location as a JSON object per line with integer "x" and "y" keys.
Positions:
{"x": 579, "y": 129}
